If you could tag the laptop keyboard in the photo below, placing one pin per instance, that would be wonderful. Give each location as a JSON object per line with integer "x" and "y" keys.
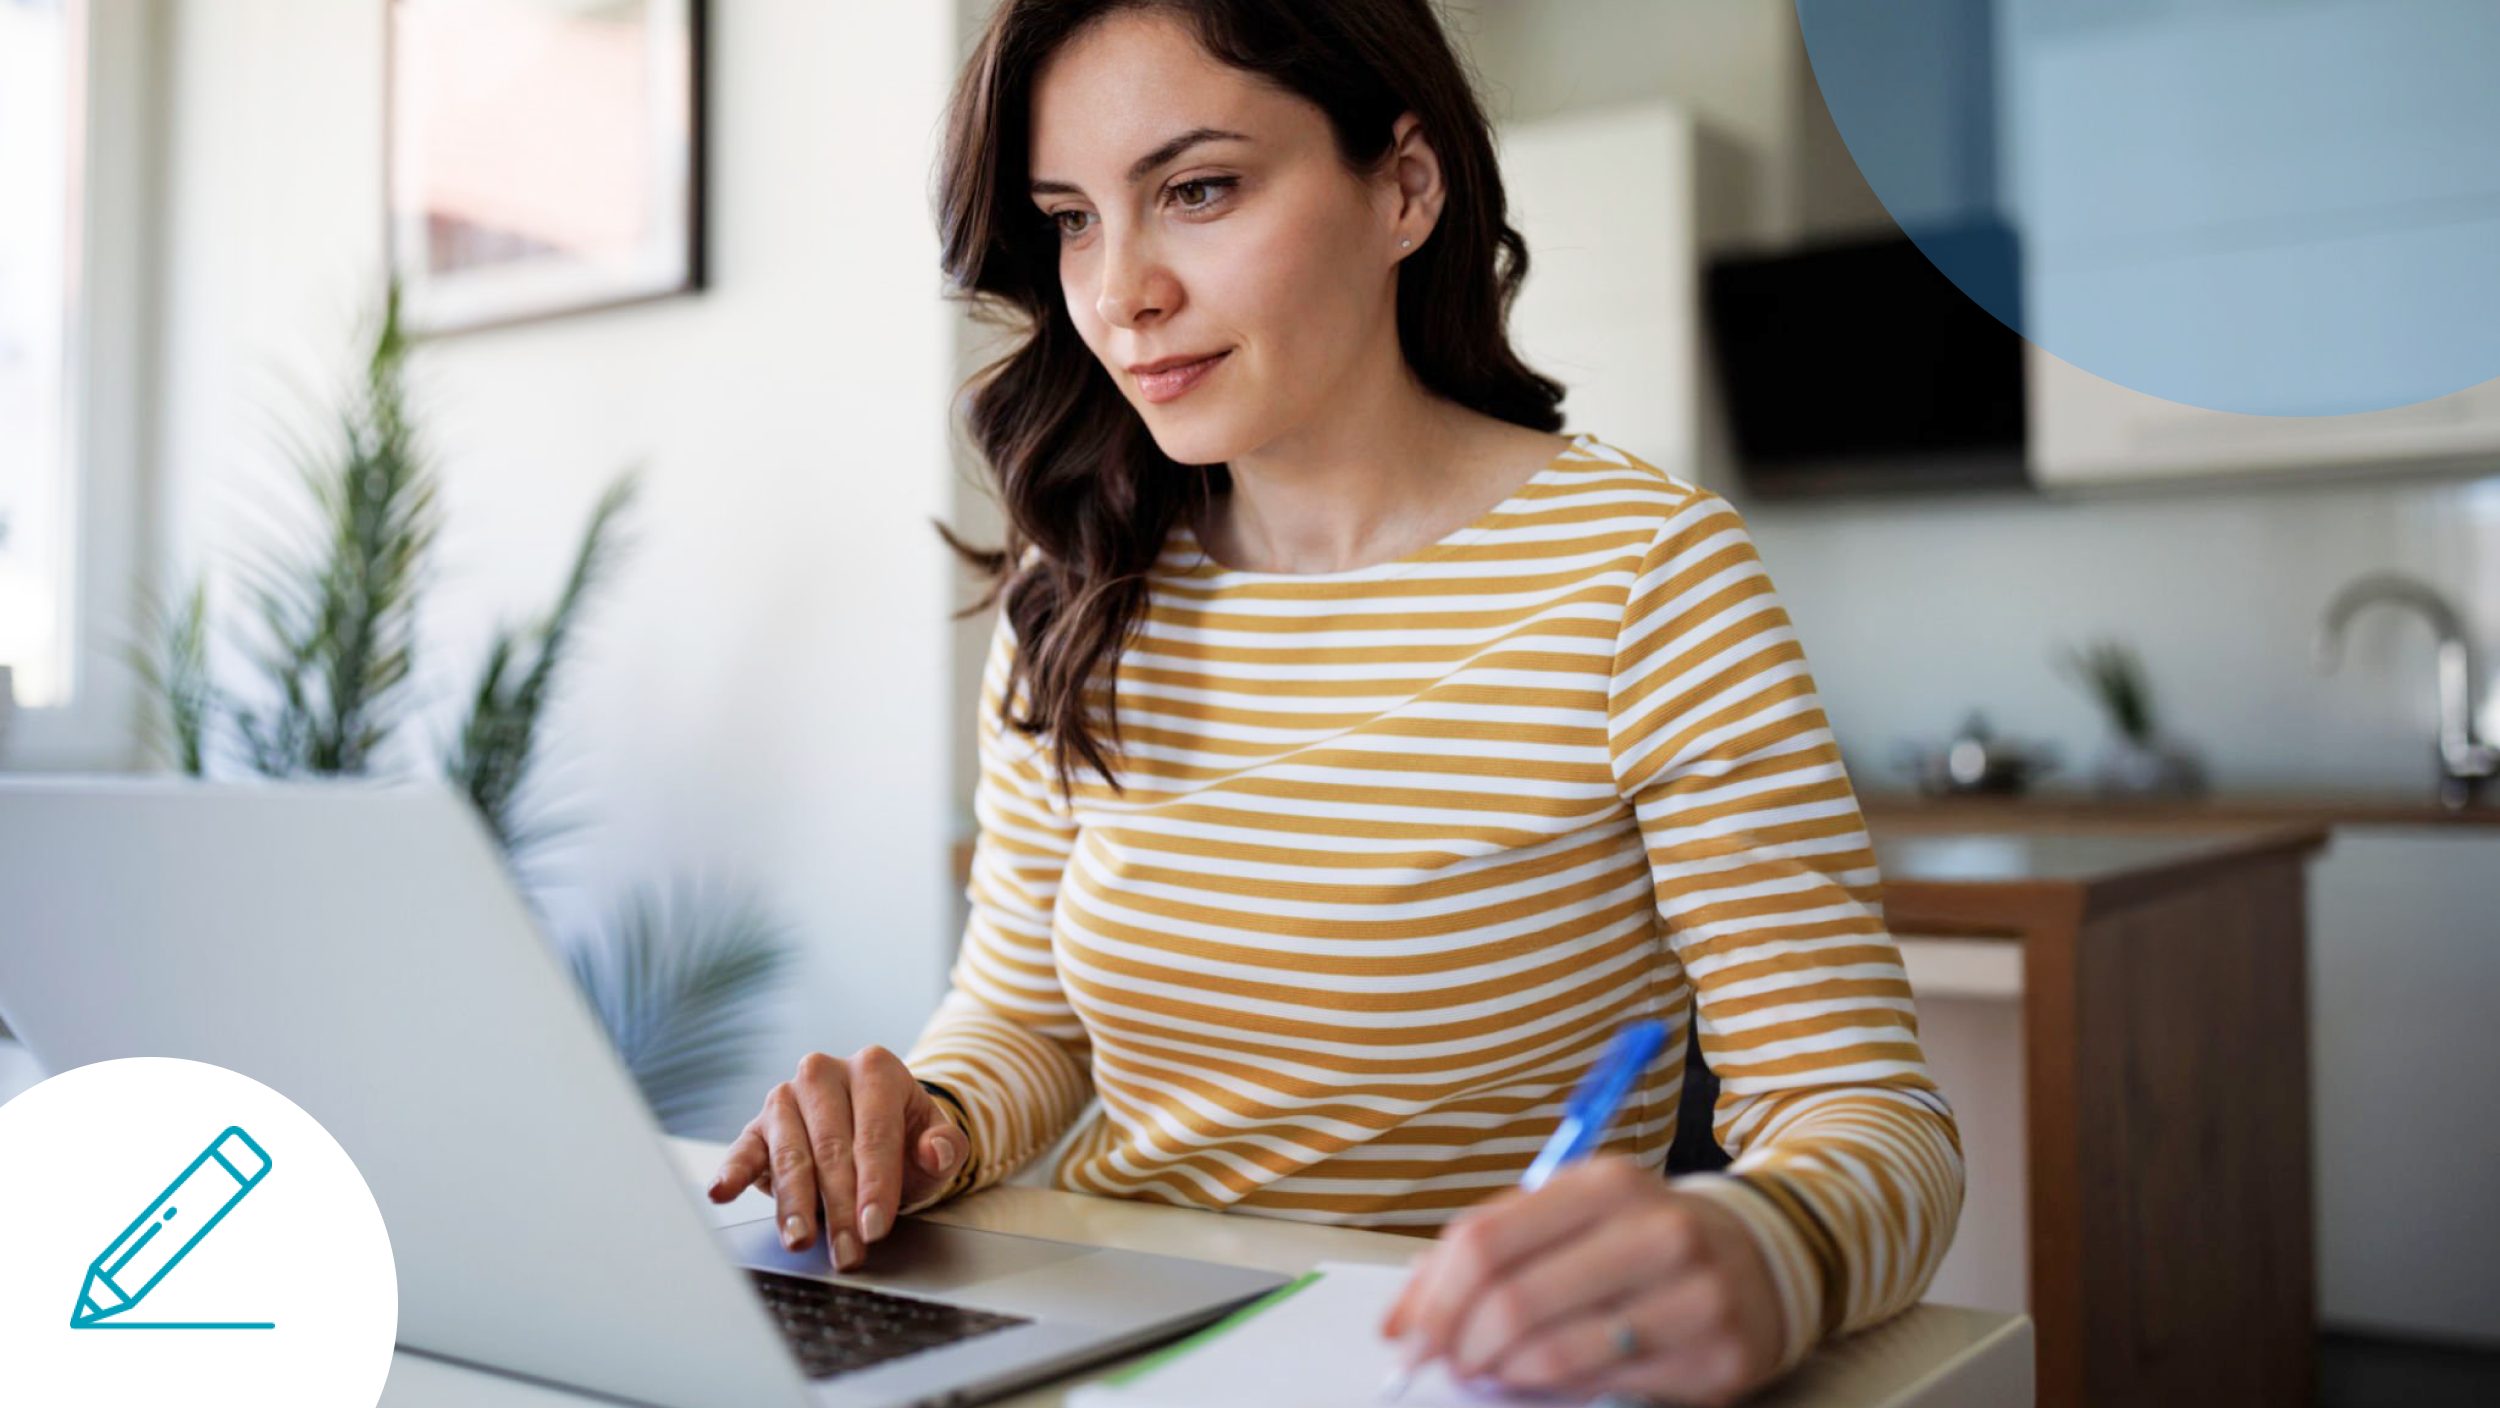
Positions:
{"x": 837, "y": 1329}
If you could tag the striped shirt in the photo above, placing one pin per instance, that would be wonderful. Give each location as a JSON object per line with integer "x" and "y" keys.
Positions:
{"x": 1401, "y": 847}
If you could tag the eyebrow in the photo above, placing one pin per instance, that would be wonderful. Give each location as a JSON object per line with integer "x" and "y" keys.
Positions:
{"x": 1139, "y": 169}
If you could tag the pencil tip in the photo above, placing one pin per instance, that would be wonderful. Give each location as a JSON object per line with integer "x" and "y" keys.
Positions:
{"x": 88, "y": 1311}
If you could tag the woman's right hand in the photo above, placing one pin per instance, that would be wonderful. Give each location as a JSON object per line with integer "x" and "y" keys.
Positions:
{"x": 856, "y": 1140}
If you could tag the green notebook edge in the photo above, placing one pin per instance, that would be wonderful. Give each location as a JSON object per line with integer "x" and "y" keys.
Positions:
{"x": 1125, "y": 1376}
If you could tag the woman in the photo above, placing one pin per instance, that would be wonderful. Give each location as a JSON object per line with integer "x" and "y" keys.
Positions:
{"x": 1358, "y": 754}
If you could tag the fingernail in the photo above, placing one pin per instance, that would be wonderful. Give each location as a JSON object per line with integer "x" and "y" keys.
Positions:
{"x": 1411, "y": 1351}
{"x": 874, "y": 1221}
{"x": 845, "y": 1249}
{"x": 793, "y": 1232}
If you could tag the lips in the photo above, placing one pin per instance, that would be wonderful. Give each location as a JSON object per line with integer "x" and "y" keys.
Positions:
{"x": 1175, "y": 378}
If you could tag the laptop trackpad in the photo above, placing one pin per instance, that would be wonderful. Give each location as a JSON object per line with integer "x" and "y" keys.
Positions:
{"x": 915, "y": 1256}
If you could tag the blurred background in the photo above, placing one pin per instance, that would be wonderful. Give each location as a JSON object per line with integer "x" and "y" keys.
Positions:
{"x": 691, "y": 244}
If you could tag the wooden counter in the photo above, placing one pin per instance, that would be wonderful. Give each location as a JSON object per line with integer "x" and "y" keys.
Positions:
{"x": 2231, "y": 809}
{"x": 2165, "y": 1087}
{"x": 1946, "y": 873}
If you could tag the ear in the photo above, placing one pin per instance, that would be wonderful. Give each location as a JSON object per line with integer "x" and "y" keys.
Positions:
{"x": 1413, "y": 189}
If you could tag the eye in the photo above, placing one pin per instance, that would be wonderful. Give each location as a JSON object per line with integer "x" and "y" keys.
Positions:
{"x": 1210, "y": 188}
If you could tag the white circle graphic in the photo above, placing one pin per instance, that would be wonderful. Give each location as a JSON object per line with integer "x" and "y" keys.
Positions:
{"x": 180, "y": 1233}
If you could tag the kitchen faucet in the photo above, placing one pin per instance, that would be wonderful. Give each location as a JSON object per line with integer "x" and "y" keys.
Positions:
{"x": 2465, "y": 762}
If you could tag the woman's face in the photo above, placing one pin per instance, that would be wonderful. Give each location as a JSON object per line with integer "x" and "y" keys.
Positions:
{"x": 1257, "y": 248}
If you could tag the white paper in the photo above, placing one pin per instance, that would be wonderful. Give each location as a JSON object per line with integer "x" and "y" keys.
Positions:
{"x": 1318, "y": 1348}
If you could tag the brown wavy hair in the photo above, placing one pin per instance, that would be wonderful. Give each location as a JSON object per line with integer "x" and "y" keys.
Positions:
{"x": 1089, "y": 498}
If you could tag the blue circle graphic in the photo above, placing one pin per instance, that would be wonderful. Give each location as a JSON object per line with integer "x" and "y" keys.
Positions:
{"x": 2277, "y": 207}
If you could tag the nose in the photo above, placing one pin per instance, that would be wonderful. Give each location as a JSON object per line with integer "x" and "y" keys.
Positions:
{"x": 1136, "y": 288}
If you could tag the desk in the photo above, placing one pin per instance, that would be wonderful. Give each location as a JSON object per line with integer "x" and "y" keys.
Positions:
{"x": 1933, "y": 1356}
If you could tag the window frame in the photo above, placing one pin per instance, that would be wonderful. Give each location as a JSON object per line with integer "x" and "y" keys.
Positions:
{"x": 108, "y": 375}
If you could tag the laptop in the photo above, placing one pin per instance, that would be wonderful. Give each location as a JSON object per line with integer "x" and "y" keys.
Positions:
{"x": 360, "y": 949}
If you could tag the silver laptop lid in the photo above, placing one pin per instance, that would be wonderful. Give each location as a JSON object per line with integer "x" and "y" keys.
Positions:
{"x": 359, "y": 949}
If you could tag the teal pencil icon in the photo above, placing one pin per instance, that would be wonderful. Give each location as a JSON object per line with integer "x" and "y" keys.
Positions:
{"x": 198, "y": 1199}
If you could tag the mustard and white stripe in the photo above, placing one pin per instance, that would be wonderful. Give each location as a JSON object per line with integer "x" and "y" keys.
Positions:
{"x": 1401, "y": 847}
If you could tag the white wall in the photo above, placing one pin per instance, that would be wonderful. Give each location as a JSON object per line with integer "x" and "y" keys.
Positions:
{"x": 1729, "y": 65}
{"x": 1913, "y": 612}
{"x": 763, "y": 689}
{"x": 973, "y": 512}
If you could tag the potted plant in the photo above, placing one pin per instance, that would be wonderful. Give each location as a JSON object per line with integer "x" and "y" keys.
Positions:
{"x": 331, "y": 640}
{"x": 2137, "y": 760}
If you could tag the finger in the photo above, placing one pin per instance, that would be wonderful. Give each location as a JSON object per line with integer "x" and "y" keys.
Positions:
{"x": 1579, "y": 1349}
{"x": 1402, "y": 1309}
{"x": 881, "y": 1092}
{"x": 747, "y": 1142}
{"x": 741, "y": 1166}
{"x": 1608, "y": 1262}
{"x": 794, "y": 1172}
{"x": 942, "y": 1151}
{"x": 1478, "y": 1248}
{"x": 1689, "y": 1346}
{"x": 825, "y": 1096}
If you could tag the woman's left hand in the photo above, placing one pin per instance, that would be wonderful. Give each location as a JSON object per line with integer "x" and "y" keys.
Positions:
{"x": 1605, "y": 1280}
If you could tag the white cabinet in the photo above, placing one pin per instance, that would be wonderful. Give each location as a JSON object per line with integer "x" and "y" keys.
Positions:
{"x": 2089, "y": 431}
{"x": 1970, "y": 1025}
{"x": 1606, "y": 200}
{"x": 2404, "y": 1052}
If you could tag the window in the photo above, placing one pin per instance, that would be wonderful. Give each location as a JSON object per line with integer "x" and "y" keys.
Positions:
{"x": 41, "y": 89}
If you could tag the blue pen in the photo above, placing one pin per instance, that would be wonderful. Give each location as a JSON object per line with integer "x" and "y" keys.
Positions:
{"x": 1586, "y": 1116}
{"x": 1592, "y": 1106}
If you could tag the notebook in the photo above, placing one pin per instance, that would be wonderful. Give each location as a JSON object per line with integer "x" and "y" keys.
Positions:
{"x": 1315, "y": 1343}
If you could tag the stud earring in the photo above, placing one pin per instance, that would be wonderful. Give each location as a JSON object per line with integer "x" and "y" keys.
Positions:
{"x": 1404, "y": 243}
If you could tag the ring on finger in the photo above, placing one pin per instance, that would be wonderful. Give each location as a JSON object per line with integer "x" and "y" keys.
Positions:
{"x": 1625, "y": 1341}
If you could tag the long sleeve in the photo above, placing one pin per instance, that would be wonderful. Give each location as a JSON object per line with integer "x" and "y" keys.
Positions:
{"x": 1846, "y": 1161}
{"x": 1004, "y": 1039}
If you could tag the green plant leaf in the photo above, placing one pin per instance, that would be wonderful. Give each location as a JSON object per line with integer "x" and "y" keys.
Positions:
{"x": 170, "y": 657}
{"x": 2113, "y": 675}
{"x": 491, "y": 758}
{"x": 335, "y": 599}
{"x": 679, "y": 978}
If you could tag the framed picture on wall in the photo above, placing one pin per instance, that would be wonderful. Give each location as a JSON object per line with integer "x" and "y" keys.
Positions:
{"x": 543, "y": 156}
